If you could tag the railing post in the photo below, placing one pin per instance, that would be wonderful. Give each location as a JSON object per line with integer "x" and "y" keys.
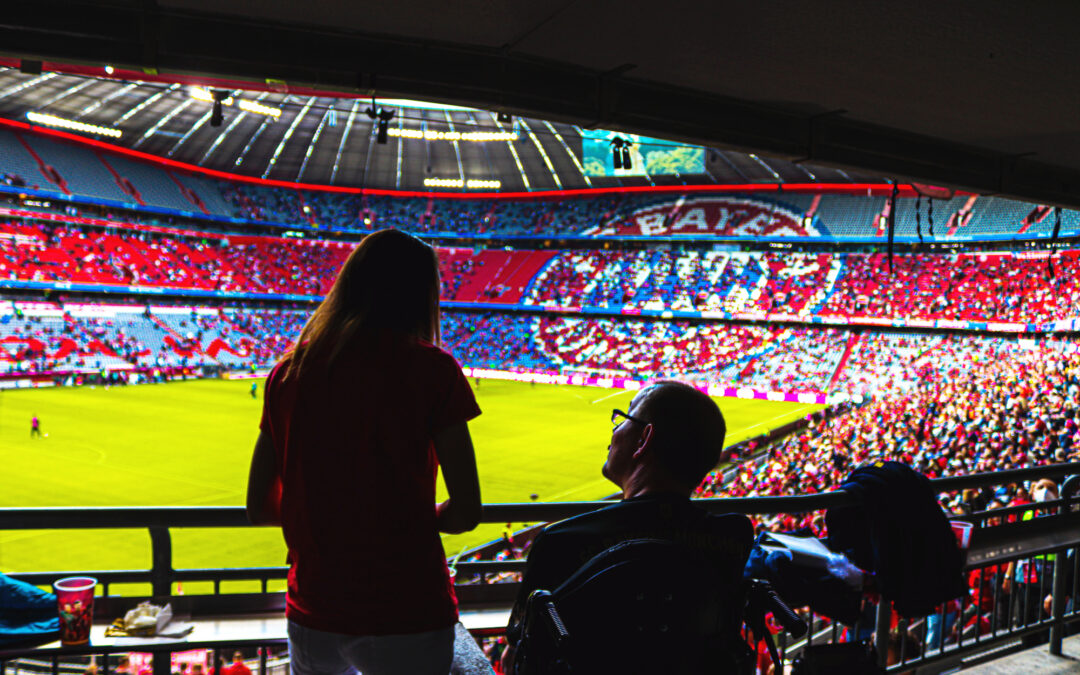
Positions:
{"x": 1057, "y": 605}
{"x": 881, "y": 630}
{"x": 161, "y": 573}
{"x": 162, "y": 663}
{"x": 161, "y": 569}
{"x": 1057, "y": 597}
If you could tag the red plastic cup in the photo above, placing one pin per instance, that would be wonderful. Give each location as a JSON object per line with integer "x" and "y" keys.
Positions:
{"x": 75, "y": 602}
{"x": 962, "y": 530}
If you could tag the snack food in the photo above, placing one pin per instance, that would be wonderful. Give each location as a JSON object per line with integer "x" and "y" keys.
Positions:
{"x": 147, "y": 619}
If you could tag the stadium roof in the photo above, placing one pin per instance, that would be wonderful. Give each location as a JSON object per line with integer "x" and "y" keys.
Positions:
{"x": 976, "y": 95}
{"x": 330, "y": 140}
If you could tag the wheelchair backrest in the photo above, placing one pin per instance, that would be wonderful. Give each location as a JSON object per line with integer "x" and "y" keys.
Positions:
{"x": 646, "y": 605}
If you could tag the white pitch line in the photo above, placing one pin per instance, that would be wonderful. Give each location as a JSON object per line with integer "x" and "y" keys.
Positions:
{"x": 604, "y": 398}
{"x": 753, "y": 426}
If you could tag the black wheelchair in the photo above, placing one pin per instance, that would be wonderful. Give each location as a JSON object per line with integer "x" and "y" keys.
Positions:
{"x": 648, "y": 606}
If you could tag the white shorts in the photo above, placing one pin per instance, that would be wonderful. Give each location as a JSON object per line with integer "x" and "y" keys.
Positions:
{"x": 316, "y": 652}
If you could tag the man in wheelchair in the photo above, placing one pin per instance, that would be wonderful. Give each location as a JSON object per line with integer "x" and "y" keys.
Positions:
{"x": 651, "y": 583}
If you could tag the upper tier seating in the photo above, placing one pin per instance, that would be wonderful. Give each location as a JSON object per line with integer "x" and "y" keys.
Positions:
{"x": 264, "y": 203}
{"x": 16, "y": 159}
{"x": 86, "y": 172}
{"x": 154, "y": 186}
{"x": 205, "y": 191}
{"x": 850, "y": 216}
{"x": 80, "y": 168}
{"x": 703, "y": 215}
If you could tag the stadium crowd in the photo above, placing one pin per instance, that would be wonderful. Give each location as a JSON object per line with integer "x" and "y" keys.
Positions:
{"x": 946, "y": 404}
{"x": 987, "y": 406}
{"x": 623, "y": 213}
{"x": 56, "y": 340}
{"x": 351, "y": 212}
{"x": 768, "y": 358}
{"x": 765, "y": 357}
{"x": 972, "y": 287}
{"x": 975, "y": 287}
{"x": 985, "y": 287}
{"x": 991, "y": 407}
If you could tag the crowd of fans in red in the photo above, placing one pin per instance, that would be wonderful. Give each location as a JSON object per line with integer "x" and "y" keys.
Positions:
{"x": 60, "y": 342}
{"x": 1012, "y": 407}
{"x": 969, "y": 287}
{"x": 1000, "y": 287}
{"x": 996, "y": 287}
{"x": 33, "y": 345}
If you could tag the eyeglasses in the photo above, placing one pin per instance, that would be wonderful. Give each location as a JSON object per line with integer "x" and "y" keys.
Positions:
{"x": 617, "y": 417}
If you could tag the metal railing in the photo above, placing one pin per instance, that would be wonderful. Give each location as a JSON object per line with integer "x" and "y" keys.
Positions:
{"x": 1048, "y": 542}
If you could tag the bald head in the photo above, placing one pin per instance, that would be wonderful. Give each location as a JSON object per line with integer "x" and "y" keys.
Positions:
{"x": 689, "y": 429}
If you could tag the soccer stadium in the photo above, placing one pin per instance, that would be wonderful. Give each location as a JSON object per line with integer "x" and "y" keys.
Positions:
{"x": 881, "y": 299}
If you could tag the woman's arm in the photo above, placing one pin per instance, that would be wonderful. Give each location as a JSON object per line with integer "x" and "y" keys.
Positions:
{"x": 461, "y": 512}
{"x": 264, "y": 484}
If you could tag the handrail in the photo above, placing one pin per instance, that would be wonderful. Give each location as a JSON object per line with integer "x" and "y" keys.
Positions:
{"x": 42, "y": 518}
{"x": 989, "y": 546}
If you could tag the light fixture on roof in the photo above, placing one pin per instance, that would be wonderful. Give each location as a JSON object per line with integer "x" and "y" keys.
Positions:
{"x": 109, "y": 70}
{"x": 54, "y": 121}
{"x": 383, "y": 115}
{"x": 473, "y": 136}
{"x": 474, "y": 184}
{"x": 258, "y": 108}
{"x": 216, "y": 116}
{"x": 208, "y": 95}
{"x": 504, "y": 118}
{"x": 444, "y": 182}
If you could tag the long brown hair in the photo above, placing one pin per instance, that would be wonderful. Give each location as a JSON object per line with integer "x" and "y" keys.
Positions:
{"x": 389, "y": 282}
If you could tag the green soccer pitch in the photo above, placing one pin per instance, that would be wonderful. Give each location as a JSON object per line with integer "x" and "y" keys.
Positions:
{"x": 189, "y": 444}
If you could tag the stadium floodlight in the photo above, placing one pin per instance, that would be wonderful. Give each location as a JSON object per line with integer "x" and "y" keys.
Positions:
{"x": 109, "y": 70}
{"x": 383, "y": 117}
{"x": 444, "y": 182}
{"x": 437, "y": 135}
{"x": 220, "y": 96}
{"x": 202, "y": 94}
{"x": 54, "y": 121}
{"x": 408, "y": 133}
{"x": 216, "y": 116}
{"x": 472, "y": 183}
{"x": 504, "y": 118}
{"x": 258, "y": 108}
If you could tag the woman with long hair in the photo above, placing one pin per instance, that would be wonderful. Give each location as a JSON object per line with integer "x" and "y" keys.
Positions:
{"x": 357, "y": 419}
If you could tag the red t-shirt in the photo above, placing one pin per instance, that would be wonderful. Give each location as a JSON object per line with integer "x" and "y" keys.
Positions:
{"x": 357, "y": 496}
